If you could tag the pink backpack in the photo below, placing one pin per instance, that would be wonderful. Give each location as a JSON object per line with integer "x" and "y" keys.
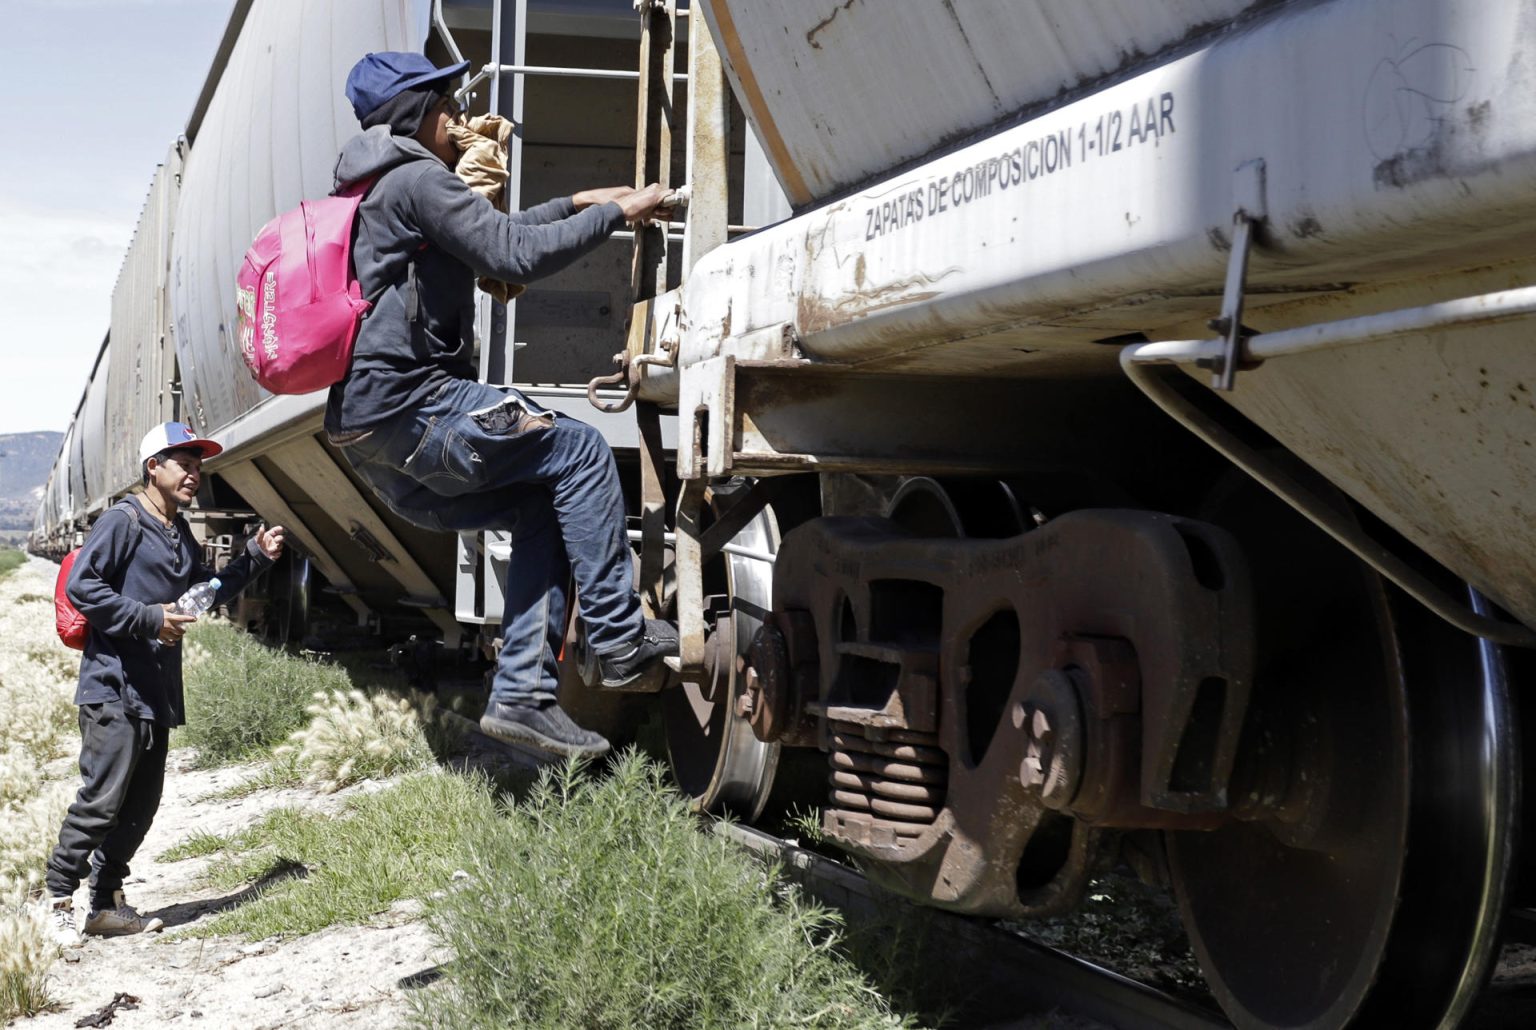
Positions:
{"x": 298, "y": 298}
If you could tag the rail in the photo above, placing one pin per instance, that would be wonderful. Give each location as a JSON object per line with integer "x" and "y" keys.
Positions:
{"x": 552, "y": 71}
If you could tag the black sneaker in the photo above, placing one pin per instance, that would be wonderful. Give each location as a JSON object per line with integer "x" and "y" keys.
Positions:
{"x": 543, "y": 727}
{"x": 623, "y": 667}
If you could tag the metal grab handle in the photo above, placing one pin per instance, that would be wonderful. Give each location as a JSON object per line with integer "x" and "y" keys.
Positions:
{"x": 628, "y": 376}
{"x": 619, "y": 378}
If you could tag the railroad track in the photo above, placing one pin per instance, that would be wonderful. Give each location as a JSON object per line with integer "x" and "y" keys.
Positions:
{"x": 1008, "y": 978}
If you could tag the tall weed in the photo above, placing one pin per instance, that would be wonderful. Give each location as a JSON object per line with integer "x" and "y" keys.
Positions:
{"x": 37, "y": 726}
{"x": 354, "y": 736}
{"x": 26, "y": 953}
{"x": 599, "y": 902}
{"x": 37, "y": 673}
{"x": 31, "y": 829}
{"x": 244, "y": 697}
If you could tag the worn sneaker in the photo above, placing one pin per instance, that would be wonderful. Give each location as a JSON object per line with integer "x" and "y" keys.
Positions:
{"x": 120, "y": 920}
{"x": 60, "y": 913}
{"x": 624, "y": 667}
{"x": 544, "y": 727}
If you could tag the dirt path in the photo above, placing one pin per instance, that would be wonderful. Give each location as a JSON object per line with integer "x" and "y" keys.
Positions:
{"x": 340, "y": 977}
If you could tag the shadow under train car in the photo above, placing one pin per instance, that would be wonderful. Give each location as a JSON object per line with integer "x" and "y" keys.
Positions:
{"x": 355, "y": 565}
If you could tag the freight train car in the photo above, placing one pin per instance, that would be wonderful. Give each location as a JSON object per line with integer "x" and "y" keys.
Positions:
{"x": 1118, "y": 449}
{"x": 263, "y": 135}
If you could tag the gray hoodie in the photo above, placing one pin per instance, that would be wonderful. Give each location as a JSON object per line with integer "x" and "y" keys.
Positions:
{"x": 420, "y": 332}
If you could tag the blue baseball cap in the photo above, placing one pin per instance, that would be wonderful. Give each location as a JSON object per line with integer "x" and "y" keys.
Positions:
{"x": 381, "y": 77}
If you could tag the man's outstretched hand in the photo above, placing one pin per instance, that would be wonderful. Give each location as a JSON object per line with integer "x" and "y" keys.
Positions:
{"x": 642, "y": 206}
{"x": 586, "y": 198}
{"x": 270, "y": 541}
{"x": 638, "y": 205}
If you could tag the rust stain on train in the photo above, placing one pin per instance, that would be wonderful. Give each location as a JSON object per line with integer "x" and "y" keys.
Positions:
{"x": 821, "y": 26}
{"x": 815, "y": 313}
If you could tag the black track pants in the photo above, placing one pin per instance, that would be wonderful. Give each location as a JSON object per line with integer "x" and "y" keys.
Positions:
{"x": 122, "y": 768}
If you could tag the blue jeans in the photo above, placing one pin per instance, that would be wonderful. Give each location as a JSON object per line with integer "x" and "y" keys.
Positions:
{"x": 485, "y": 457}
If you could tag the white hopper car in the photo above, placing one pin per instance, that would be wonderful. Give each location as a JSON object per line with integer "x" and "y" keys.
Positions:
{"x": 1121, "y": 446}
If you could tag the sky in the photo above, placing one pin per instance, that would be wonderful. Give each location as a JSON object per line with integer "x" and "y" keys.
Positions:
{"x": 98, "y": 90}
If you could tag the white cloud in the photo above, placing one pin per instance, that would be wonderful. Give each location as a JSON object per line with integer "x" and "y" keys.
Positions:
{"x": 85, "y": 5}
{"x": 57, "y": 271}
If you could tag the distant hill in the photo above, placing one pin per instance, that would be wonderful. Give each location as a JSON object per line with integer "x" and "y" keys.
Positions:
{"x": 25, "y": 461}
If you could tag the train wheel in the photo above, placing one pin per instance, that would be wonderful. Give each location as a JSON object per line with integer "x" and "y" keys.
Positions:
{"x": 715, "y": 757}
{"x": 1371, "y": 895}
{"x": 288, "y": 588}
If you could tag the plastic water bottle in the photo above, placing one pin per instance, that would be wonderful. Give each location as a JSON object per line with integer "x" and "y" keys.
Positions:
{"x": 198, "y": 599}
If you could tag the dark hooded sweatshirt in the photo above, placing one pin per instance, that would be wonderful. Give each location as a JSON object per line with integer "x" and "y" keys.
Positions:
{"x": 419, "y": 212}
{"x": 130, "y": 566}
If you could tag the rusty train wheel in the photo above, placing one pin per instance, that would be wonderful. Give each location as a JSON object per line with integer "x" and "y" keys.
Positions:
{"x": 715, "y": 757}
{"x": 1372, "y": 897}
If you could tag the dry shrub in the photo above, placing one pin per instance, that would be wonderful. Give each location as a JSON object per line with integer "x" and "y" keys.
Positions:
{"x": 354, "y": 736}
{"x": 31, "y": 828}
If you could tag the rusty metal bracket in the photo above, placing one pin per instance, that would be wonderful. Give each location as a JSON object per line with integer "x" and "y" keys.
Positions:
{"x": 982, "y": 689}
{"x": 1251, "y": 209}
{"x": 653, "y": 511}
{"x": 688, "y": 564}
{"x": 628, "y": 376}
{"x": 636, "y": 355}
{"x": 654, "y": 126}
{"x": 707, "y": 408}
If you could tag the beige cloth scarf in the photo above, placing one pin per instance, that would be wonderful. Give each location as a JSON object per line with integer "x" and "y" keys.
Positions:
{"x": 482, "y": 143}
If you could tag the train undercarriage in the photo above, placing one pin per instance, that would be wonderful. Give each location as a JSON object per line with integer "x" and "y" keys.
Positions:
{"x": 998, "y": 686}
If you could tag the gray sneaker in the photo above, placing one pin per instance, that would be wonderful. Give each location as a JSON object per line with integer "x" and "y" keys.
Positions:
{"x": 120, "y": 920}
{"x": 60, "y": 913}
{"x": 543, "y": 727}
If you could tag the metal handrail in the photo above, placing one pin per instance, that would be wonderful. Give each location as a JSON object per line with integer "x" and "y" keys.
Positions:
{"x": 555, "y": 72}
{"x": 1488, "y": 308}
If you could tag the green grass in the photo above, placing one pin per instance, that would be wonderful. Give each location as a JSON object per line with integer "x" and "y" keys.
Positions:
{"x": 281, "y": 772}
{"x": 244, "y": 697}
{"x": 197, "y": 845}
{"x": 402, "y": 842}
{"x": 599, "y": 902}
{"x": 807, "y": 823}
{"x": 10, "y": 561}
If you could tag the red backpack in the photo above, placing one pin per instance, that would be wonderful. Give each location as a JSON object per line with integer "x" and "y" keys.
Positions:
{"x": 298, "y": 298}
{"x": 66, "y": 617}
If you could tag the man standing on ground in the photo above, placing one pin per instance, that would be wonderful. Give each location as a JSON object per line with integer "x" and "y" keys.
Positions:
{"x": 448, "y": 452}
{"x": 139, "y": 559}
